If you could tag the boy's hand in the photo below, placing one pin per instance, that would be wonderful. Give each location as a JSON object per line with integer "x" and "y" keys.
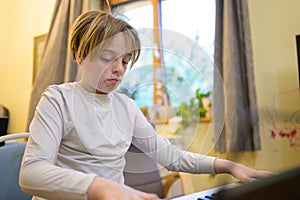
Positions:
{"x": 246, "y": 174}
{"x": 103, "y": 189}
{"x": 239, "y": 171}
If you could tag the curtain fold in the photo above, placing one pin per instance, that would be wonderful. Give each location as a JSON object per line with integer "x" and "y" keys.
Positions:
{"x": 235, "y": 115}
{"x": 56, "y": 65}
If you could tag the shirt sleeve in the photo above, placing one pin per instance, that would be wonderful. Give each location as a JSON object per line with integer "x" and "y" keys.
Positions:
{"x": 39, "y": 175}
{"x": 166, "y": 154}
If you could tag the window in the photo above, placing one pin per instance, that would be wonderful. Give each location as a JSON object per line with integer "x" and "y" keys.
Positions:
{"x": 187, "y": 42}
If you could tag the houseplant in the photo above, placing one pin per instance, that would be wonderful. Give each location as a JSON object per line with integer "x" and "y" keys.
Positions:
{"x": 195, "y": 109}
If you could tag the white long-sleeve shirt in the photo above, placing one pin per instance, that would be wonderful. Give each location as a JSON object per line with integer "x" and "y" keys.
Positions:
{"x": 76, "y": 135}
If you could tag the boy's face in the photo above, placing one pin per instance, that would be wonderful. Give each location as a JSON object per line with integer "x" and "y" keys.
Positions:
{"x": 104, "y": 72}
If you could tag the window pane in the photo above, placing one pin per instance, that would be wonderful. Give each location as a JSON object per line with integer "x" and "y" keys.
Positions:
{"x": 139, "y": 14}
{"x": 192, "y": 18}
{"x": 188, "y": 44}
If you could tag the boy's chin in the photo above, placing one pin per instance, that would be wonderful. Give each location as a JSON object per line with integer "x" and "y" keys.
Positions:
{"x": 106, "y": 91}
{"x": 101, "y": 92}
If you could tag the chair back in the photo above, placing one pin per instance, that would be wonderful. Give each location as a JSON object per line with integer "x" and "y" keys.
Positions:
{"x": 142, "y": 173}
{"x": 10, "y": 162}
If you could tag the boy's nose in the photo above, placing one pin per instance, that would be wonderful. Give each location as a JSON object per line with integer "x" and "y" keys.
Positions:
{"x": 118, "y": 66}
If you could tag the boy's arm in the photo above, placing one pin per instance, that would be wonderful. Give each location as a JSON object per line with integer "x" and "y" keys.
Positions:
{"x": 39, "y": 176}
{"x": 104, "y": 189}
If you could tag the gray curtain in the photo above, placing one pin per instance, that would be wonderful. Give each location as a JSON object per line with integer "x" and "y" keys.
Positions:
{"x": 56, "y": 64}
{"x": 235, "y": 116}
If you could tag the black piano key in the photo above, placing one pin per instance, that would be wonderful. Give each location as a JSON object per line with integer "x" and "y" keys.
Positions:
{"x": 207, "y": 197}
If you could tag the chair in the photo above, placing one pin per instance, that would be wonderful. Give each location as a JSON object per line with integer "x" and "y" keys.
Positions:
{"x": 10, "y": 162}
{"x": 142, "y": 173}
{"x": 4, "y": 117}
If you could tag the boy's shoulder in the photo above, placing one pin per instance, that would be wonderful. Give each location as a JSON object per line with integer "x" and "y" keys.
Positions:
{"x": 60, "y": 88}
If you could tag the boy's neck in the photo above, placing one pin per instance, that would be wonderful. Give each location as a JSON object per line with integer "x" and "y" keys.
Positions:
{"x": 90, "y": 89}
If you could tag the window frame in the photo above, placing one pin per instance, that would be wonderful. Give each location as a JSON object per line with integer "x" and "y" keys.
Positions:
{"x": 160, "y": 94}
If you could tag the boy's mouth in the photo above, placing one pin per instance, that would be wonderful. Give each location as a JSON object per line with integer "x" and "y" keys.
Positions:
{"x": 114, "y": 80}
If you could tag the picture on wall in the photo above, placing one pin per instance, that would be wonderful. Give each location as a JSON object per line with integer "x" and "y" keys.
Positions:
{"x": 39, "y": 44}
{"x": 298, "y": 55}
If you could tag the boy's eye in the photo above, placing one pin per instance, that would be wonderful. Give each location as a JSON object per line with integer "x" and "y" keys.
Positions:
{"x": 126, "y": 62}
{"x": 107, "y": 59}
{"x": 126, "y": 59}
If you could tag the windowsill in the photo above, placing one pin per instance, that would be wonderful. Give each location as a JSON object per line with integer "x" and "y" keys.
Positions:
{"x": 161, "y": 121}
{"x": 166, "y": 121}
{"x": 205, "y": 119}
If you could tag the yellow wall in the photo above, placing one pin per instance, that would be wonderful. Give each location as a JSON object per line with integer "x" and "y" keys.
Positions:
{"x": 274, "y": 24}
{"x": 20, "y": 21}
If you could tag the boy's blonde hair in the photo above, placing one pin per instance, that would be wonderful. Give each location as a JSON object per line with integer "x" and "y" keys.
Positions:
{"x": 92, "y": 29}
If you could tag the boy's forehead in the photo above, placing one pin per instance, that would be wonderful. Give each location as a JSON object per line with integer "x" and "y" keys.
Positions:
{"x": 118, "y": 44}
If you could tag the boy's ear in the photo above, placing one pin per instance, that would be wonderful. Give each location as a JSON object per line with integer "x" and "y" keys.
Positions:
{"x": 78, "y": 59}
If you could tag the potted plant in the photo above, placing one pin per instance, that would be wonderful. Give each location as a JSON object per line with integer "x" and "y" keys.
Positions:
{"x": 195, "y": 109}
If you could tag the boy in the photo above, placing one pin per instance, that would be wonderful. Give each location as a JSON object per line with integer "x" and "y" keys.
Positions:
{"x": 82, "y": 130}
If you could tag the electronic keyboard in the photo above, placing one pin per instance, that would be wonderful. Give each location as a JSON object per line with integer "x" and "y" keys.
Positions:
{"x": 285, "y": 185}
{"x": 206, "y": 194}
